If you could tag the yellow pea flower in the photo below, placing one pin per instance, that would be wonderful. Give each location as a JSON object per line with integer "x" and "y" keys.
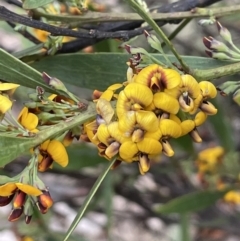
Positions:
{"x": 232, "y": 197}
{"x": 209, "y": 159}
{"x": 208, "y": 89}
{"x": 51, "y": 151}
{"x": 134, "y": 97}
{"x": 157, "y": 78}
{"x": 28, "y": 120}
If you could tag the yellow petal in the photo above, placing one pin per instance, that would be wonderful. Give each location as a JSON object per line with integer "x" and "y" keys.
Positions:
{"x": 7, "y": 189}
{"x": 127, "y": 122}
{"x": 154, "y": 135}
{"x": 30, "y": 122}
{"x": 170, "y": 128}
{"x": 30, "y": 190}
{"x": 107, "y": 95}
{"x": 139, "y": 94}
{"x": 167, "y": 149}
{"x": 144, "y": 164}
{"x": 58, "y": 152}
{"x": 187, "y": 126}
{"x": 5, "y": 104}
{"x": 200, "y": 118}
{"x": 23, "y": 113}
{"x": 105, "y": 109}
{"x": 128, "y": 150}
{"x": 44, "y": 145}
{"x": 8, "y": 86}
{"x": 149, "y": 146}
{"x": 117, "y": 135}
{"x": 175, "y": 118}
{"x": 115, "y": 87}
{"x": 208, "y": 89}
{"x": 170, "y": 78}
{"x": 149, "y": 74}
{"x": 166, "y": 102}
{"x": 123, "y": 105}
{"x": 190, "y": 85}
{"x": 147, "y": 120}
{"x": 103, "y": 134}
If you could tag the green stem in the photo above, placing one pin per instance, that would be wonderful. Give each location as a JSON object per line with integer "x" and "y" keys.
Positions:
{"x": 215, "y": 73}
{"x": 158, "y": 31}
{"x": 88, "y": 200}
{"x": 28, "y": 51}
{"x": 177, "y": 30}
{"x": 91, "y": 17}
{"x": 184, "y": 222}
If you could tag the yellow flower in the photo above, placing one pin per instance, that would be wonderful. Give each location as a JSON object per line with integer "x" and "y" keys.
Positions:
{"x": 5, "y": 104}
{"x": 134, "y": 97}
{"x": 10, "y": 188}
{"x": 28, "y": 120}
{"x": 157, "y": 78}
{"x": 209, "y": 159}
{"x": 232, "y": 197}
{"x": 108, "y": 94}
{"x": 129, "y": 150}
{"x": 51, "y": 151}
{"x": 208, "y": 89}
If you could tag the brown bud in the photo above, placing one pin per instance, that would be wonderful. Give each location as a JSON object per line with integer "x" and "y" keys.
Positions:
{"x": 45, "y": 199}
{"x": 15, "y": 214}
{"x": 195, "y": 136}
{"x": 45, "y": 163}
{"x": 19, "y": 199}
{"x": 116, "y": 164}
{"x": 28, "y": 219}
{"x": 5, "y": 200}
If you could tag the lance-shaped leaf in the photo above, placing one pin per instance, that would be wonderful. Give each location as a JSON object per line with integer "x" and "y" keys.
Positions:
{"x": 191, "y": 202}
{"x": 98, "y": 71}
{"x": 15, "y": 71}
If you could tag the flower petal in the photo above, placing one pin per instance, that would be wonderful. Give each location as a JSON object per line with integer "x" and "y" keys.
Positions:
{"x": 170, "y": 128}
{"x": 8, "y": 86}
{"x": 128, "y": 150}
{"x": 149, "y": 146}
{"x": 208, "y": 89}
{"x": 28, "y": 189}
{"x": 166, "y": 102}
{"x": 5, "y": 104}
{"x": 147, "y": 120}
{"x": 58, "y": 152}
{"x": 7, "y": 189}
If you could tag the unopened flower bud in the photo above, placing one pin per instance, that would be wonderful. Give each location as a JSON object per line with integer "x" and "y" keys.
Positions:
{"x": 153, "y": 41}
{"x": 213, "y": 44}
{"x": 208, "y": 108}
{"x": 135, "y": 50}
{"x": 44, "y": 202}
{"x": 54, "y": 82}
{"x": 19, "y": 199}
{"x": 33, "y": 96}
{"x": 5, "y": 200}
{"x": 45, "y": 163}
{"x": 167, "y": 149}
{"x": 15, "y": 214}
{"x": 112, "y": 149}
{"x": 216, "y": 55}
{"x": 224, "y": 33}
{"x": 144, "y": 163}
{"x": 28, "y": 211}
{"x": 195, "y": 136}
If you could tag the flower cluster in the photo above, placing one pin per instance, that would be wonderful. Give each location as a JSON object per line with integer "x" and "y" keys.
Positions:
{"x": 154, "y": 105}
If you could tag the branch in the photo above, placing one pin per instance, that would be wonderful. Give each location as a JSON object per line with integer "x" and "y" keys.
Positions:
{"x": 96, "y": 17}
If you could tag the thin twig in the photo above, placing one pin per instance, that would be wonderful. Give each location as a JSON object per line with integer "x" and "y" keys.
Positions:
{"x": 92, "y": 17}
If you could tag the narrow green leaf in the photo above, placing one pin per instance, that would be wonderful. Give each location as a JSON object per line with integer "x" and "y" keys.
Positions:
{"x": 14, "y": 71}
{"x": 12, "y": 147}
{"x": 87, "y": 200}
{"x": 98, "y": 71}
{"x": 32, "y": 4}
{"x": 191, "y": 202}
